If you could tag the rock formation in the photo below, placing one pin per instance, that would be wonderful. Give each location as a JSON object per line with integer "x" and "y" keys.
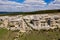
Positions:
{"x": 30, "y": 22}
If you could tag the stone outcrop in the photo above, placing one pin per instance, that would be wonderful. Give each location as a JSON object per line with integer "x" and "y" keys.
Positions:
{"x": 30, "y": 22}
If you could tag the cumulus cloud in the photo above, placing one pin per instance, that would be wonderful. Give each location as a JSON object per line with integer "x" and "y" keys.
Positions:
{"x": 28, "y": 5}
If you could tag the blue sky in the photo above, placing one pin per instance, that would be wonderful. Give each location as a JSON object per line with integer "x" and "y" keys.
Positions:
{"x": 28, "y": 5}
{"x": 19, "y": 1}
{"x": 48, "y": 1}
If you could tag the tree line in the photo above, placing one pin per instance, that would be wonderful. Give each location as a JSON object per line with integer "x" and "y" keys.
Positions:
{"x": 28, "y": 13}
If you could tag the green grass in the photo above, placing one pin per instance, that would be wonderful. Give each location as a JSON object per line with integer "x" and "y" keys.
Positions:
{"x": 2, "y": 31}
{"x": 6, "y": 35}
{"x": 32, "y": 35}
{"x": 3, "y": 34}
{"x": 42, "y": 35}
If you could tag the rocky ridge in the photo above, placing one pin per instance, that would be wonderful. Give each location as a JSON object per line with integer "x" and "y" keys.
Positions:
{"x": 30, "y": 22}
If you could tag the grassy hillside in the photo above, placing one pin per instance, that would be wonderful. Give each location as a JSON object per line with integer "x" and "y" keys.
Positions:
{"x": 42, "y": 35}
{"x": 3, "y": 34}
{"x": 6, "y": 35}
{"x": 32, "y": 35}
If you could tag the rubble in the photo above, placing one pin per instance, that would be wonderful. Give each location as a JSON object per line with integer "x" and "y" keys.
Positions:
{"x": 30, "y": 22}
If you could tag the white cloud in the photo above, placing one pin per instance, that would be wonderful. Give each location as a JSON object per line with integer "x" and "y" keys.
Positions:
{"x": 28, "y": 5}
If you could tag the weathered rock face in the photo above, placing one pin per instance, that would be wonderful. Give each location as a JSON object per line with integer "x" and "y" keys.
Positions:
{"x": 30, "y": 22}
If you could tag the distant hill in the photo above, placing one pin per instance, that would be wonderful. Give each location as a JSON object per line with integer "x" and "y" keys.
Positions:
{"x": 26, "y": 13}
